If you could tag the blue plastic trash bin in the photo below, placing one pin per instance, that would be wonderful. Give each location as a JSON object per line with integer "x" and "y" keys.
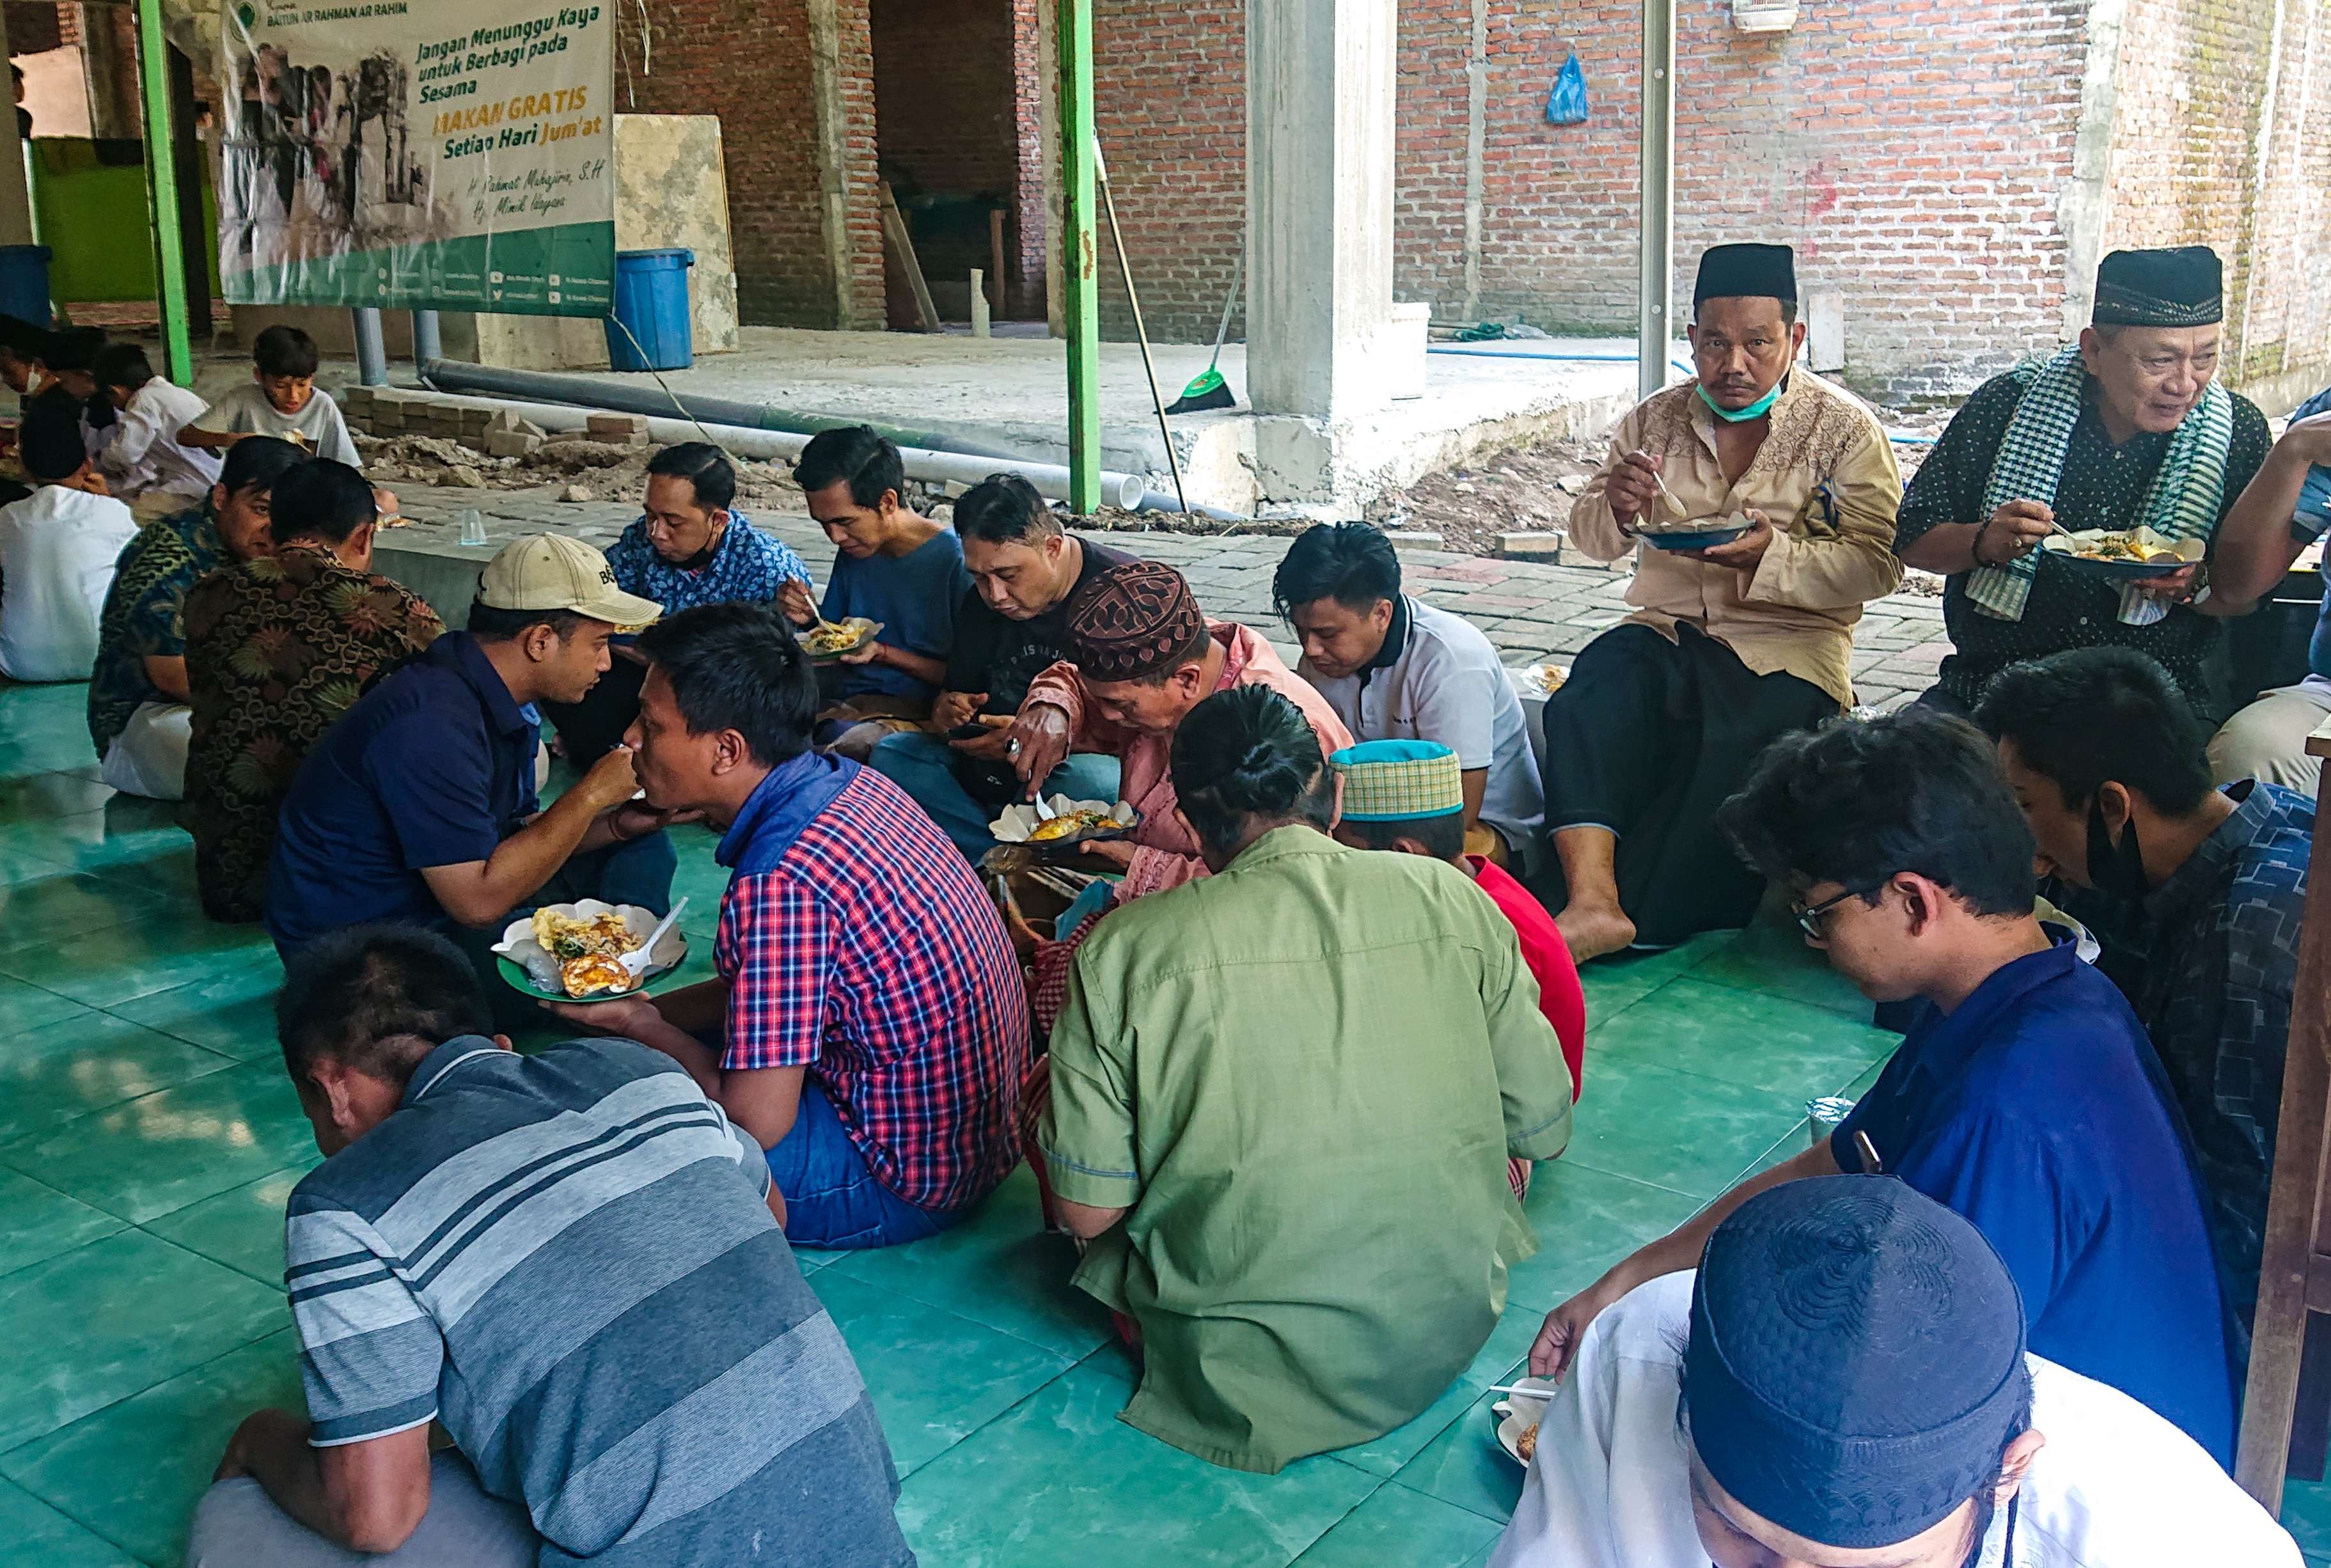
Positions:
{"x": 25, "y": 282}
{"x": 649, "y": 327}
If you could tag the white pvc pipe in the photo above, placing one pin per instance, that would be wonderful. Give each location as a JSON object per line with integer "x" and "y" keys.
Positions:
{"x": 1051, "y": 479}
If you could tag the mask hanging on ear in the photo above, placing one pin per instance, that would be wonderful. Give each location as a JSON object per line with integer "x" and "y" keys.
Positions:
{"x": 2114, "y": 868}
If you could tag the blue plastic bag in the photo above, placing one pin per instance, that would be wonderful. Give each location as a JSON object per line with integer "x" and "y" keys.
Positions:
{"x": 1566, "y": 104}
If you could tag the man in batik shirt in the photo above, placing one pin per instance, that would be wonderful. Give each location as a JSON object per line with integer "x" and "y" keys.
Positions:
{"x": 137, "y": 696}
{"x": 277, "y": 648}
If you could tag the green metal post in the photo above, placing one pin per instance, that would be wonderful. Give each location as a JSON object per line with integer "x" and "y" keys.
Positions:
{"x": 162, "y": 192}
{"x": 1079, "y": 255}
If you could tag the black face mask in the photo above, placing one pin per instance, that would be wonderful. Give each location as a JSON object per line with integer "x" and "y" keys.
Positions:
{"x": 2117, "y": 869}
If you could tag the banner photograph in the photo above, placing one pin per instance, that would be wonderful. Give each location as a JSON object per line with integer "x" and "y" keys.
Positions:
{"x": 404, "y": 153}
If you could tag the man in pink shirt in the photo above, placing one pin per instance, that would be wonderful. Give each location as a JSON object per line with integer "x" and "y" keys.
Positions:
{"x": 1145, "y": 656}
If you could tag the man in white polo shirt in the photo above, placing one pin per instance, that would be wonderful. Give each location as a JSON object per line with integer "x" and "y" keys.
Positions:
{"x": 57, "y": 547}
{"x": 1394, "y": 667}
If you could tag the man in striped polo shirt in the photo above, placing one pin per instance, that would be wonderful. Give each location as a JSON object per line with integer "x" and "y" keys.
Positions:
{"x": 570, "y": 1262}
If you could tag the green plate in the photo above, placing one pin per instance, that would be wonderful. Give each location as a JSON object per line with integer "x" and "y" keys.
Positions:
{"x": 520, "y": 980}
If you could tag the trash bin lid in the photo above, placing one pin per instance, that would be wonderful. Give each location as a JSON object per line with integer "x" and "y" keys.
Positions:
{"x": 677, "y": 256}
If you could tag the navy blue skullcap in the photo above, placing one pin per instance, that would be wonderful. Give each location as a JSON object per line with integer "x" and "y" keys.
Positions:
{"x": 1856, "y": 1361}
{"x": 1756, "y": 271}
{"x": 2182, "y": 286}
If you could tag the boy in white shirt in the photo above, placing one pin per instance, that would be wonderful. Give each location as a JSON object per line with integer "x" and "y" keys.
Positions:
{"x": 140, "y": 457}
{"x": 281, "y": 401}
{"x": 57, "y": 549}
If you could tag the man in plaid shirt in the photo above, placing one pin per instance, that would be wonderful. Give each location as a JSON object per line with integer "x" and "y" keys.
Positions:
{"x": 872, "y": 1020}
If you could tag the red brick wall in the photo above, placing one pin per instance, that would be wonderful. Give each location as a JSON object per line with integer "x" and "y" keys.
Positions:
{"x": 1027, "y": 233}
{"x": 747, "y": 61}
{"x": 1169, "y": 89}
{"x": 1944, "y": 241}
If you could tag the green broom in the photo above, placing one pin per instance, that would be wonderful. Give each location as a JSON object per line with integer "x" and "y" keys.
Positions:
{"x": 1209, "y": 390}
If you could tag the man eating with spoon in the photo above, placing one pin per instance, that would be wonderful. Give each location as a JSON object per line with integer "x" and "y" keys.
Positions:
{"x": 1730, "y": 645}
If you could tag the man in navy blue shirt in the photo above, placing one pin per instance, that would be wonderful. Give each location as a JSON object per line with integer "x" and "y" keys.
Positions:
{"x": 2195, "y": 894}
{"x": 2024, "y": 1096}
{"x": 419, "y": 804}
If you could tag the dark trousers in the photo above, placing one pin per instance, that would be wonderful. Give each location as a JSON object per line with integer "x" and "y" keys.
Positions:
{"x": 590, "y": 730}
{"x": 638, "y": 872}
{"x": 1648, "y": 738}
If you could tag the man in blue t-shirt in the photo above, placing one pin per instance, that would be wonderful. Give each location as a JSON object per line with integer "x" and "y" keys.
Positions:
{"x": 419, "y": 804}
{"x": 572, "y": 1263}
{"x": 2024, "y": 1096}
{"x": 891, "y": 566}
{"x": 2284, "y": 509}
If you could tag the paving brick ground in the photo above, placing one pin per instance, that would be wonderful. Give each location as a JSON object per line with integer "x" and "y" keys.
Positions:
{"x": 1532, "y": 613}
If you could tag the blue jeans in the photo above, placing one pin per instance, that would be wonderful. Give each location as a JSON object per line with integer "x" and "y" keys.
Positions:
{"x": 924, "y": 765}
{"x": 832, "y": 1200}
{"x": 639, "y": 872}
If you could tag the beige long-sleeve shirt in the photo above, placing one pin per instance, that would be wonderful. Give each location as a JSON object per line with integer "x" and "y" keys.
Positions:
{"x": 1826, "y": 478}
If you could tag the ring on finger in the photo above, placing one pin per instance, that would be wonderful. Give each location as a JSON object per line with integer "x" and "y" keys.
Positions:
{"x": 1012, "y": 750}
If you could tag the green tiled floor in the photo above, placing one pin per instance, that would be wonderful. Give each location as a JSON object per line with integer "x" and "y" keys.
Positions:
{"x": 147, "y": 1141}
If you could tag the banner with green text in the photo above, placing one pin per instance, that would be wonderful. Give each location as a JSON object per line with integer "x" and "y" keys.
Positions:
{"x": 419, "y": 154}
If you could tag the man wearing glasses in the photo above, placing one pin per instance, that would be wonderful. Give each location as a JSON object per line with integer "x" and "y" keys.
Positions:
{"x": 2024, "y": 1096}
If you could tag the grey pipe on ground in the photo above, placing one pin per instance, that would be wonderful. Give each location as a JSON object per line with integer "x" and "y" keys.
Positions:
{"x": 1129, "y": 492}
{"x": 617, "y": 397}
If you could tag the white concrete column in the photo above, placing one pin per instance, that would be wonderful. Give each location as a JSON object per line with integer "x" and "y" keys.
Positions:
{"x": 1320, "y": 77}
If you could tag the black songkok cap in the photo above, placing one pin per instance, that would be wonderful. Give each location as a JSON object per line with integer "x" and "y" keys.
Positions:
{"x": 2185, "y": 287}
{"x": 1856, "y": 1359}
{"x": 1762, "y": 271}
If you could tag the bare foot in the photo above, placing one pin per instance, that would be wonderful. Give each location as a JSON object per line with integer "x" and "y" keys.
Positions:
{"x": 1590, "y": 931}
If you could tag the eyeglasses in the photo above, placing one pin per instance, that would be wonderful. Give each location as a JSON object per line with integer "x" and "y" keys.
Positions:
{"x": 1809, "y": 917}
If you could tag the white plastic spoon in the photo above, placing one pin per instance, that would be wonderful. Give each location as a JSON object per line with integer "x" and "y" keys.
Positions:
{"x": 636, "y": 961}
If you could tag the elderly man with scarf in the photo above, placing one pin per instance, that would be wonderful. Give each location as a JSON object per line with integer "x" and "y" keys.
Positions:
{"x": 2127, "y": 426}
{"x": 1729, "y": 647}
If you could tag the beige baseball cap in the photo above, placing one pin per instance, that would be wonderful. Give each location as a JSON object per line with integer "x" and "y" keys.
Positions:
{"x": 553, "y": 572}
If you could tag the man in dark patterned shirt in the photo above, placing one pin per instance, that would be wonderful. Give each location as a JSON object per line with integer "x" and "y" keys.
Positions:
{"x": 138, "y": 711}
{"x": 277, "y": 648}
{"x": 2124, "y": 428}
{"x": 2194, "y": 892}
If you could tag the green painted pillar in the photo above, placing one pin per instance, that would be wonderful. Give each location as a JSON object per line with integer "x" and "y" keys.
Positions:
{"x": 1079, "y": 255}
{"x": 162, "y": 192}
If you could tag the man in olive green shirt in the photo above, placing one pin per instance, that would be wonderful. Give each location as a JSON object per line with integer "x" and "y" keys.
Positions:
{"x": 1283, "y": 1097}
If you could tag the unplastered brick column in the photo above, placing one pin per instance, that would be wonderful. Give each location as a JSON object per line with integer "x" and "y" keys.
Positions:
{"x": 750, "y": 62}
{"x": 1169, "y": 90}
{"x": 1319, "y": 200}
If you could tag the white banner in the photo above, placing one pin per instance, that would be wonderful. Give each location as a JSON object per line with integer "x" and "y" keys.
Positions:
{"x": 407, "y": 153}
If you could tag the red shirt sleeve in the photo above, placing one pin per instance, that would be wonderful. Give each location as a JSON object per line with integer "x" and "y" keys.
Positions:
{"x": 1559, "y": 995}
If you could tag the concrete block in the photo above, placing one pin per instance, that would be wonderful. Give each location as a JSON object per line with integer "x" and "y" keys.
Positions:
{"x": 1417, "y": 539}
{"x": 511, "y": 420}
{"x": 618, "y": 438}
{"x": 511, "y": 443}
{"x": 1531, "y": 546}
{"x": 617, "y": 424}
{"x": 357, "y": 402}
